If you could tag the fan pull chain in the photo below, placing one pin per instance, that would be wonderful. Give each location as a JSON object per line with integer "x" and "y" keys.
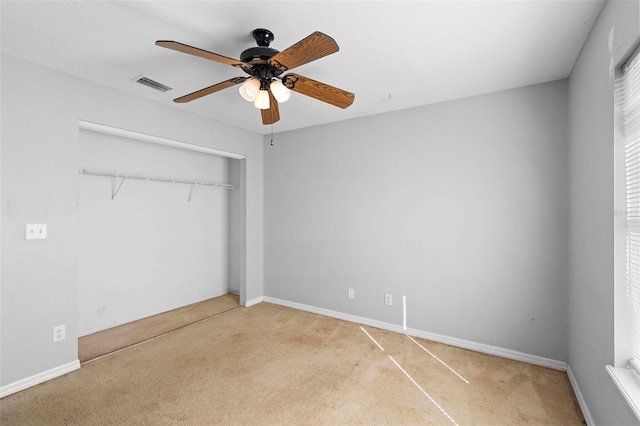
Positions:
{"x": 271, "y": 134}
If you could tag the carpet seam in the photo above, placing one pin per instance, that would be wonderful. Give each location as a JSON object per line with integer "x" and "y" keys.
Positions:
{"x": 158, "y": 336}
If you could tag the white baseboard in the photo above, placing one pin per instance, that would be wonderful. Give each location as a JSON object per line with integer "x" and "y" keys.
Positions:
{"x": 38, "y": 378}
{"x": 581, "y": 401}
{"x": 254, "y": 301}
{"x": 491, "y": 350}
{"x": 466, "y": 344}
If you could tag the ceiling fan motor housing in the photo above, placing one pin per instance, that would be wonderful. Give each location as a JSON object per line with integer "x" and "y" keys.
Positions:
{"x": 259, "y": 53}
{"x": 263, "y": 52}
{"x": 258, "y": 56}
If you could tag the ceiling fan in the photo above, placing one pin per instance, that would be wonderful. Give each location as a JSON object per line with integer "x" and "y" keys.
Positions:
{"x": 266, "y": 86}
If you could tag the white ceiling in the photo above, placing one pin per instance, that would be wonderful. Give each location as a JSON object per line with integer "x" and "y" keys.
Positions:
{"x": 393, "y": 54}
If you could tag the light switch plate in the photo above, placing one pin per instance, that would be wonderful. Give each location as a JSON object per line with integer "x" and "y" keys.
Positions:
{"x": 36, "y": 231}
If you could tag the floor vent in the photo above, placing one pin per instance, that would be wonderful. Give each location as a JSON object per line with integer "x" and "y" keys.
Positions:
{"x": 151, "y": 83}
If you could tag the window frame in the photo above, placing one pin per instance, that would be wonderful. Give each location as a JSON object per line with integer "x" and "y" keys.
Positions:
{"x": 625, "y": 376}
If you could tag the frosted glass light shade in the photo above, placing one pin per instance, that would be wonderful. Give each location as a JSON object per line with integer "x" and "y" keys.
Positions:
{"x": 280, "y": 92}
{"x": 249, "y": 90}
{"x": 262, "y": 100}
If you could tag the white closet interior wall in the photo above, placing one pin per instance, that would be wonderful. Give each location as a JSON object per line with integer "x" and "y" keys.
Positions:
{"x": 155, "y": 246}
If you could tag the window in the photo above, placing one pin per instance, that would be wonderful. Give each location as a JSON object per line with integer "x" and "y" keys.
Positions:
{"x": 627, "y": 234}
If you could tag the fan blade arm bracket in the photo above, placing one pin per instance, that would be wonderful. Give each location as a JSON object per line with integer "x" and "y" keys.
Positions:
{"x": 278, "y": 66}
{"x": 289, "y": 81}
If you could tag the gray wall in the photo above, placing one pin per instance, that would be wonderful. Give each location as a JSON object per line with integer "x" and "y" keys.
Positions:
{"x": 40, "y": 161}
{"x": 461, "y": 206}
{"x": 150, "y": 249}
{"x": 591, "y": 138}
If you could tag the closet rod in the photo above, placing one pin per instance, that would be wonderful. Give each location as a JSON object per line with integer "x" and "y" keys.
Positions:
{"x": 155, "y": 179}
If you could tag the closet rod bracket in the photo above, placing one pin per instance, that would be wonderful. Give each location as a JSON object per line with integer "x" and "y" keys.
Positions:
{"x": 192, "y": 190}
{"x": 115, "y": 186}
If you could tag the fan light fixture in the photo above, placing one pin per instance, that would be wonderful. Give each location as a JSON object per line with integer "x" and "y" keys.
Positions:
{"x": 249, "y": 90}
{"x": 279, "y": 91}
{"x": 254, "y": 91}
{"x": 262, "y": 100}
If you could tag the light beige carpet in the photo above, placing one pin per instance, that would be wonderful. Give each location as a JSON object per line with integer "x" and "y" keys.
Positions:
{"x": 268, "y": 365}
{"x": 113, "y": 339}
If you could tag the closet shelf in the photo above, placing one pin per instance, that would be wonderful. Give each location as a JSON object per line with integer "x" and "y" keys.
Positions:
{"x": 195, "y": 185}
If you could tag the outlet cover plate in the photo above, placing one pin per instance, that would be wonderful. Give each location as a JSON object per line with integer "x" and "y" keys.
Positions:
{"x": 388, "y": 300}
{"x": 58, "y": 333}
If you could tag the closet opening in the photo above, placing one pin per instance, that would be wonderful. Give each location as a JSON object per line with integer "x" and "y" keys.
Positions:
{"x": 162, "y": 236}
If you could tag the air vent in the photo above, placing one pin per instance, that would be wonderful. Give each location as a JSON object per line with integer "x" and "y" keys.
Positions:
{"x": 151, "y": 83}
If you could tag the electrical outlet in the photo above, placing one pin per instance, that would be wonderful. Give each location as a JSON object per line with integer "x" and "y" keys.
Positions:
{"x": 58, "y": 333}
{"x": 388, "y": 299}
{"x": 352, "y": 293}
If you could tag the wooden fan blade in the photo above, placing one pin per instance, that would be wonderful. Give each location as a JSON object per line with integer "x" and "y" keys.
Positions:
{"x": 180, "y": 47}
{"x": 315, "y": 89}
{"x": 211, "y": 89}
{"x": 271, "y": 115}
{"x": 310, "y": 48}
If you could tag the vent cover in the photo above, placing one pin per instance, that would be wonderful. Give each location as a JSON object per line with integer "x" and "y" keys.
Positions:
{"x": 151, "y": 83}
